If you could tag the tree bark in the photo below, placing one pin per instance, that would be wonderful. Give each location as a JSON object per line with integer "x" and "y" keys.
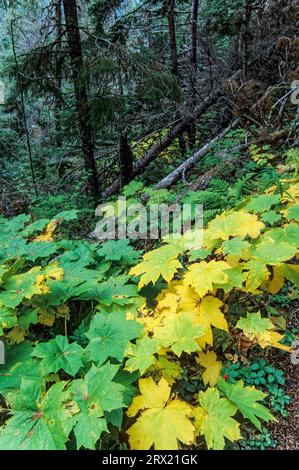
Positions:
{"x": 170, "y": 179}
{"x": 194, "y": 15}
{"x": 125, "y": 160}
{"x": 57, "y": 111}
{"x": 172, "y": 37}
{"x": 82, "y": 106}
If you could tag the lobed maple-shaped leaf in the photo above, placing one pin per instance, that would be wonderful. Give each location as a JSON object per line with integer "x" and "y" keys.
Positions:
{"x": 117, "y": 250}
{"x": 169, "y": 370}
{"x": 256, "y": 274}
{"x": 235, "y": 246}
{"x": 39, "y": 420}
{"x": 18, "y": 365}
{"x": 246, "y": 399}
{"x": 273, "y": 253}
{"x": 109, "y": 336}
{"x": 95, "y": 394}
{"x": 262, "y": 203}
{"x": 179, "y": 333}
{"x": 202, "y": 276}
{"x": 163, "y": 422}
{"x": 213, "y": 419}
{"x": 255, "y": 327}
{"x": 160, "y": 262}
{"x": 292, "y": 213}
{"x": 235, "y": 224}
{"x": 213, "y": 367}
{"x": 57, "y": 354}
{"x": 142, "y": 354}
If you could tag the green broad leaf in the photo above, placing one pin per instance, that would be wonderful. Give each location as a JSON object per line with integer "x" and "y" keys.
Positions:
{"x": 270, "y": 217}
{"x": 132, "y": 188}
{"x": 288, "y": 234}
{"x": 17, "y": 223}
{"x": 88, "y": 429}
{"x": 39, "y": 420}
{"x": 214, "y": 419}
{"x": 19, "y": 287}
{"x": 246, "y": 399}
{"x": 235, "y": 246}
{"x": 291, "y": 273}
{"x": 254, "y": 324}
{"x": 36, "y": 250}
{"x": 37, "y": 226}
{"x": 117, "y": 250}
{"x": 96, "y": 394}
{"x": 58, "y": 354}
{"x": 67, "y": 215}
{"x": 293, "y": 212}
{"x": 115, "y": 417}
{"x": 8, "y": 317}
{"x": 262, "y": 203}
{"x": 271, "y": 252}
{"x": 16, "y": 247}
{"x": 18, "y": 364}
{"x": 80, "y": 256}
{"x": 142, "y": 354}
{"x": 198, "y": 254}
{"x": 236, "y": 277}
{"x": 180, "y": 332}
{"x": 109, "y": 336}
{"x": 27, "y": 318}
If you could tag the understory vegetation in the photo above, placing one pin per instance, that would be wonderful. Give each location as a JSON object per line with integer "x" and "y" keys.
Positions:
{"x": 167, "y": 343}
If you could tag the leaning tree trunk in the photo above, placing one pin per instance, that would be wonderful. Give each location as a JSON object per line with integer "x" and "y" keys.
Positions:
{"x": 170, "y": 179}
{"x": 75, "y": 51}
{"x": 164, "y": 142}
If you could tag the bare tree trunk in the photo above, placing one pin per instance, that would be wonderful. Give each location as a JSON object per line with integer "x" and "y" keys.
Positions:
{"x": 194, "y": 15}
{"x": 75, "y": 50}
{"x": 125, "y": 160}
{"x": 172, "y": 37}
{"x": 57, "y": 111}
{"x": 245, "y": 38}
{"x": 182, "y": 144}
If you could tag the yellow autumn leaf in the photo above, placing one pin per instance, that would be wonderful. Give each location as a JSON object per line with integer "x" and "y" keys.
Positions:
{"x": 47, "y": 235}
{"x": 277, "y": 281}
{"x": 160, "y": 262}
{"x": 163, "y": 423}
{"x": 235, "y": 224}
{"x": 210, "y": 315}
{"x": 213, "y": 367}
{"x": 202, "y": 276}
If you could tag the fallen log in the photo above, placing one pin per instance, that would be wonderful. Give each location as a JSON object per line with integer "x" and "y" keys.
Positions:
{"x": 170, "y": 179}
{"x": 165, "y": 141}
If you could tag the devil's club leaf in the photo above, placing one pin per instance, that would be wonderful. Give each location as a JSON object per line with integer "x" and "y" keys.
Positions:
{"x": 163, "y": 423}
{"x": 160, "y": 262}
{"x": 59, "y": 354}
{"x": 213, "y": 419}
{"x": 109, "y": 335}
{"x": 180, "y": 332}
{"x": 95, "y": 394}
{"x": 246, "y": 399}
{"x": 39, "y": 422}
